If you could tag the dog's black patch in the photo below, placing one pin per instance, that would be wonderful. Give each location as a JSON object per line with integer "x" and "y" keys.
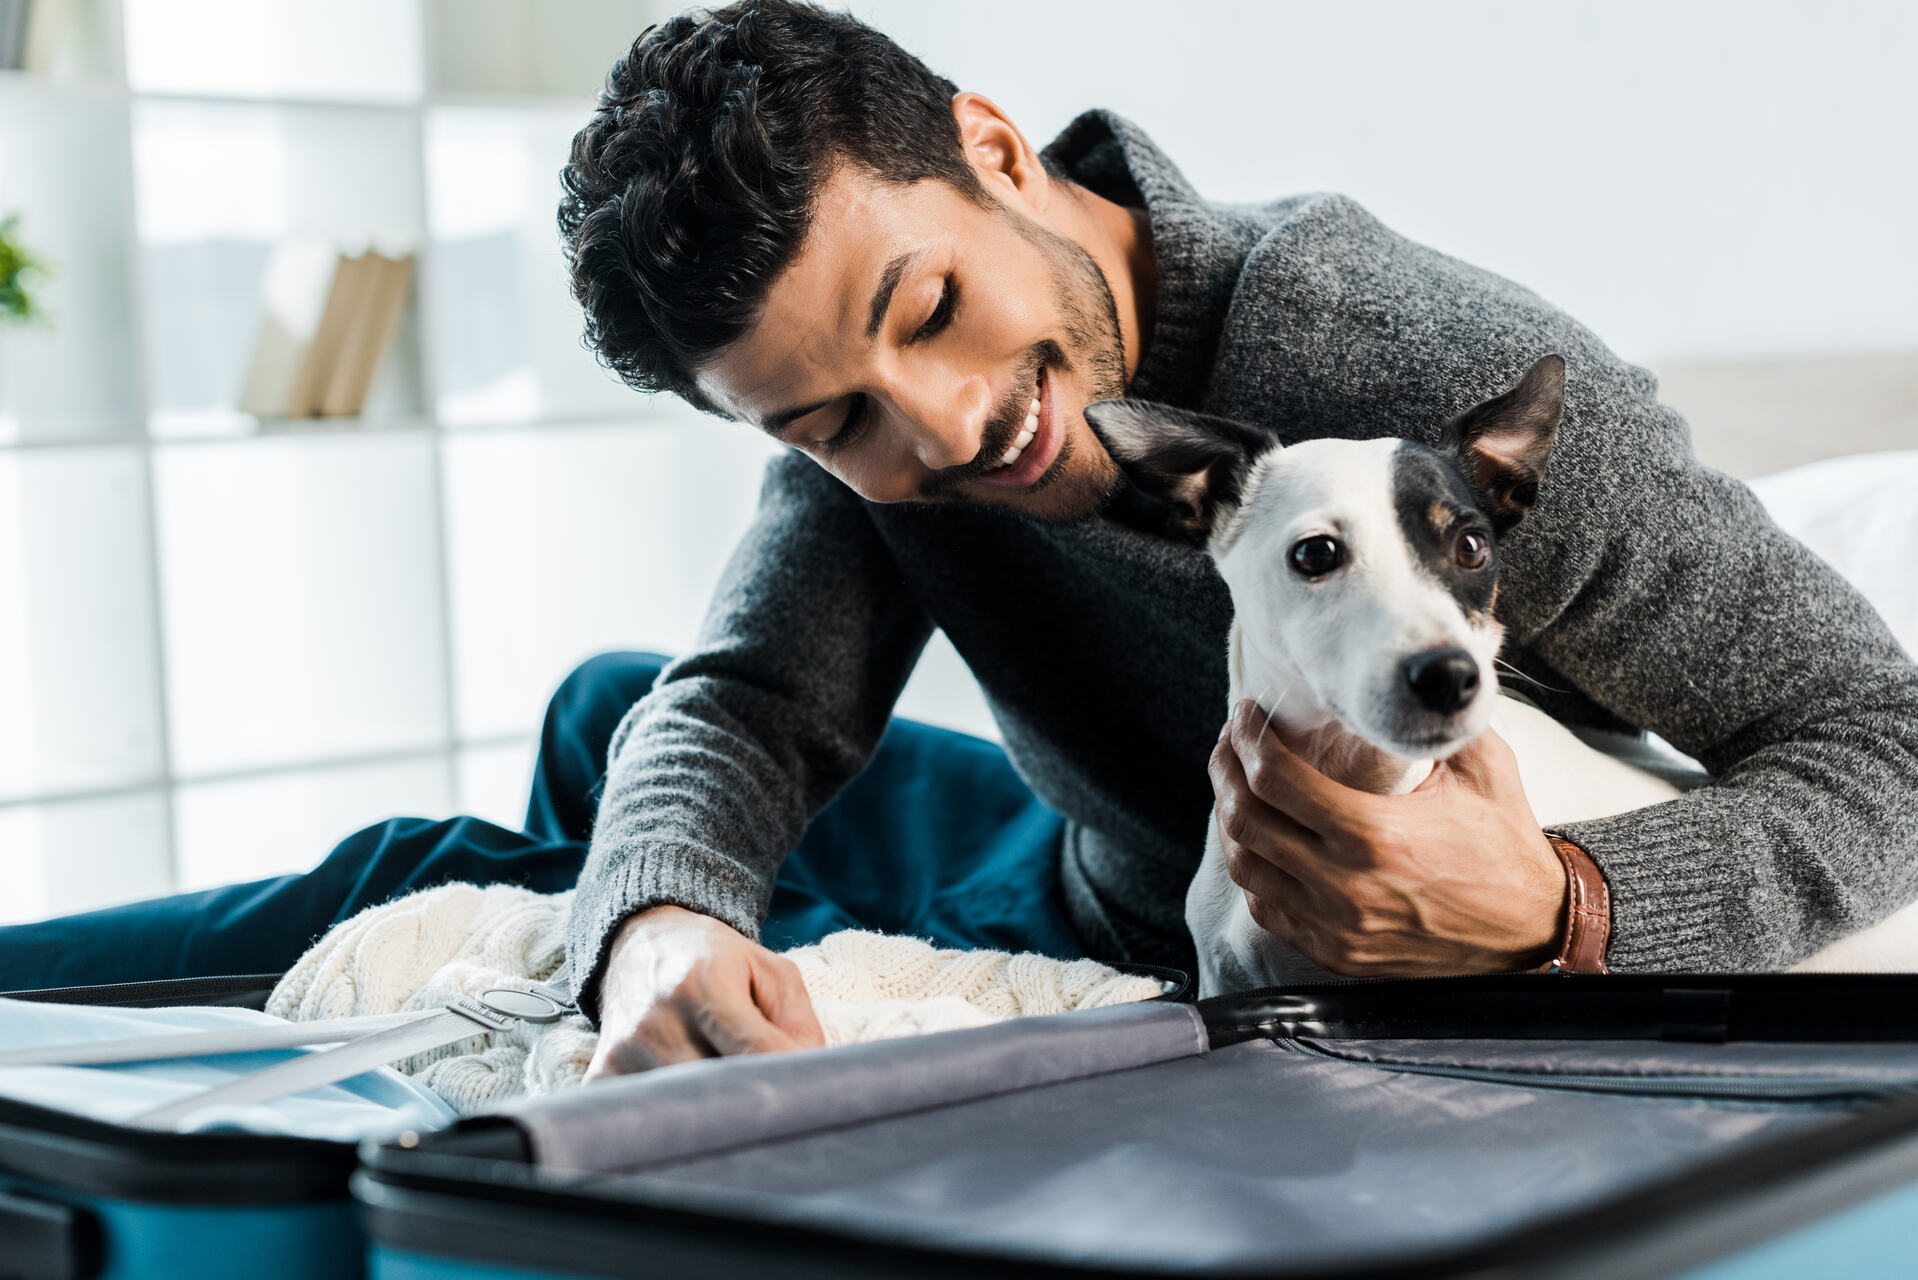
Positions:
{"x": 1195, "y": 462}
{"x": 1436, "y": 508}
{"x": 1502, "y": 445}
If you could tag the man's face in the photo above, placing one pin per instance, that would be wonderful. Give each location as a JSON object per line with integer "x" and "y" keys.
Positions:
{"x": 905, "y": 345}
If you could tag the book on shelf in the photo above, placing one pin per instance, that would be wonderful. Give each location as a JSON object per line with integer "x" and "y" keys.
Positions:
{"x": 363, "y": 347}
{"x": 327, "y": 321}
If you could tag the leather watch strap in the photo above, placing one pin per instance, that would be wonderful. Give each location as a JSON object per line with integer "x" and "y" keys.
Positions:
{"x": 1588, "y": 913}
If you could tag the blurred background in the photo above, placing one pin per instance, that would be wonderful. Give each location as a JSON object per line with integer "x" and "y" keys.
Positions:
{"x": 230, "y": 635}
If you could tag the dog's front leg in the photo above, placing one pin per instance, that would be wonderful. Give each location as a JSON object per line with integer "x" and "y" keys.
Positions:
{"x": 1235, "y": 952}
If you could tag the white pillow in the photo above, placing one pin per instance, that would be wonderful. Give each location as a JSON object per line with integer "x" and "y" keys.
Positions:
{"x": 1860, "y": 513}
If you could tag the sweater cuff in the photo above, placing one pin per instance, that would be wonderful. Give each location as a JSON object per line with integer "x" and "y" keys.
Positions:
{"x": 1674, "y": 875}
{"x": 663, "y": 877}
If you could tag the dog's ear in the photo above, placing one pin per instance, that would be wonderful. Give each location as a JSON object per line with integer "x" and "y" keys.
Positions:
{"x": 1195, "y": 461}
{"x": 1502, "y": 445}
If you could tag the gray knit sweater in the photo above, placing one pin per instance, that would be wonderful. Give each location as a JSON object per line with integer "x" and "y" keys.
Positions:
{"x": 1655, "y": 588}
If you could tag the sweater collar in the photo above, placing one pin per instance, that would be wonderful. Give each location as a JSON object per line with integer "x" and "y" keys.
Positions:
{"x": 1198, "y": 251}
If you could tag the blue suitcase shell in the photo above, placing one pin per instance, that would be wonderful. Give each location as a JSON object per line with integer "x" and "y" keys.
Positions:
{"x": 81, "y": 1199}
{"x": 1727, "y": 1128}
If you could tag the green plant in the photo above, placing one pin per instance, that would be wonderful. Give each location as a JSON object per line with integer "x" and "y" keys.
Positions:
{"x": 20, "y": 271}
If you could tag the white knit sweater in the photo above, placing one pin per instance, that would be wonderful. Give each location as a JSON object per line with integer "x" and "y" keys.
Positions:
{"x": 459, "y": 939}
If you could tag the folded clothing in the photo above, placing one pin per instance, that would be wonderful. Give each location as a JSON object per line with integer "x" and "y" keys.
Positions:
{"x": 422, "y": 950}
{"x": 374, "y": 1104}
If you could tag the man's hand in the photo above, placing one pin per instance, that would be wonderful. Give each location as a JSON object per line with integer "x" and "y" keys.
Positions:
{"x": 1454, "y": 877}
{"x": 680, "y": 985}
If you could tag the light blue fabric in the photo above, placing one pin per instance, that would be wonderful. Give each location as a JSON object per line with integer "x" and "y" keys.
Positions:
{"x": 374, "y": 1104}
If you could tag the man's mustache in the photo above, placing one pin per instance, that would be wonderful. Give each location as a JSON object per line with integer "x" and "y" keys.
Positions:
{"x": 1008, "y": 418}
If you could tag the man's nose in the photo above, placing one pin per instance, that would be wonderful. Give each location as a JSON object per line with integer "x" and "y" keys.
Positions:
{"x": 946, "y": 425}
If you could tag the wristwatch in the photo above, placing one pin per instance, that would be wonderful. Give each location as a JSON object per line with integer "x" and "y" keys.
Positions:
{"x": 1588, "y": 912}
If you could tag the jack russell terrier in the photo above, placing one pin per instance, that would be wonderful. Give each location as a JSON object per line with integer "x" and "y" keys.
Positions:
{"x": 1363, "y": 576}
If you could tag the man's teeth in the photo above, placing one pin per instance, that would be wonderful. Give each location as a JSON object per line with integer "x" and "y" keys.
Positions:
{"x": 1026, "y": 433}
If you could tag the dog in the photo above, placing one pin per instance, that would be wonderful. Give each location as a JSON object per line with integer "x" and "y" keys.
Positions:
{"x": 1364, "y": 575}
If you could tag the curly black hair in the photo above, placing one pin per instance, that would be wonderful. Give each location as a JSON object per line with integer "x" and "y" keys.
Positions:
{"x": 693, "y": 184}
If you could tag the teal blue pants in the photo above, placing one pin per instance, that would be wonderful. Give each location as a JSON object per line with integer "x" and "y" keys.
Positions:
{"x": 938, "y": 837}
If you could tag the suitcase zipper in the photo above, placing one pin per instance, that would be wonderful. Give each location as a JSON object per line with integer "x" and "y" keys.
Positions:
{"x": 1839, "y": 1089}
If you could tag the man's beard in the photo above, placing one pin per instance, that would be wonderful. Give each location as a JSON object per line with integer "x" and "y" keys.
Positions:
{"x": 1091, "y": 339}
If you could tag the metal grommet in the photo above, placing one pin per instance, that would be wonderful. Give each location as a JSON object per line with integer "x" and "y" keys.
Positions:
{"x": 527, "y": 1006}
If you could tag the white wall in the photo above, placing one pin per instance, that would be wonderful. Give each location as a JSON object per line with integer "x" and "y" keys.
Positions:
{"x": 1690, "y": 179}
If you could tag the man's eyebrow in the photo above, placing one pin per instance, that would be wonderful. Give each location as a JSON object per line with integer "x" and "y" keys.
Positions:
{"x": 888, "y": 282}
{"x": 775, "y": 426}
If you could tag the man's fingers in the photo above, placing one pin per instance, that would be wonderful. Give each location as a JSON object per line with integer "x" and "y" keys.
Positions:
{"x": 1269, "y": 916}
{"x": 1277, "y": 775}
{"x": 660, "y": 1040}
{"x": 610, "y": 1060}
{"x": 781, "y": 994}
{"x": 1257, "y": 871}
{"x": 1480, "y": 762}
{"x": 716, "y": 1024}
{"x": 1246, "y": 817}
{"x": 732, "y": 1022}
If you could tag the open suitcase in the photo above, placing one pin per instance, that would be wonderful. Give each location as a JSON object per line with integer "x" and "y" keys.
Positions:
{"x": 82, "y": 1198}
{"x": 1482, "y": 1126}
{"x": 1724, "y": 1127}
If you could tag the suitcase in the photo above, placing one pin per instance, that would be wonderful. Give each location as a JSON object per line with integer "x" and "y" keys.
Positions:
{"x": 1730, "y": 1127}
{"x": 82, "y": 1198}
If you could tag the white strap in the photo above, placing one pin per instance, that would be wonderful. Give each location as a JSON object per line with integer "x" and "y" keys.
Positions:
{"x": 418, "y": 1034}
{"x": 359, "y": 1044}
{"x": 200, "y": 1044}
{"x": 248, "y": 1039}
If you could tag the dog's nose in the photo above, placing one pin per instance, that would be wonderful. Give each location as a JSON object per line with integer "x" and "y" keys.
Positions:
{"x": 1443, "y": 680}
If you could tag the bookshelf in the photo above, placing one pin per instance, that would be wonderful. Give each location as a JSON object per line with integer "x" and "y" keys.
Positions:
{"x": 227, "y": 642}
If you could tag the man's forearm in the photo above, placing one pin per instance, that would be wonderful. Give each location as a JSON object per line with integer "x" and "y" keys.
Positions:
{"x": 1800, "y": 841}
{"x": 714, "y": 775}
{"x": 697, "y": 813}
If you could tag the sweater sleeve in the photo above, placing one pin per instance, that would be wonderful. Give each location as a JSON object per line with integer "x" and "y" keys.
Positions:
{"x": 713, "y": 776}
{"x": 1657, "y": 586}
{"x": 1698, "y": 618}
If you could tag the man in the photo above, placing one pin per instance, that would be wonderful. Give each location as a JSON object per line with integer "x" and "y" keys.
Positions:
{"x": 779, "y": 215}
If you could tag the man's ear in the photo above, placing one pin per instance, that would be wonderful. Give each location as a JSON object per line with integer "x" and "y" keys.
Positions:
{"x": 1502, "y": 445}
{"x": 1195, "y": 461}
{"x": 999, "y": 154}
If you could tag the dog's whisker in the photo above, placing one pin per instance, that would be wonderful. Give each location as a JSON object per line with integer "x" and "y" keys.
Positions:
{"x": 1260, "y": 700}
{"x": 1274, "y": 709}
{"x": 1529, "y": 679}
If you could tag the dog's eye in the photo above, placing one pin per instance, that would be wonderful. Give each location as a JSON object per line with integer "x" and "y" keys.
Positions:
{"x": 1315, "y": 557}
{"x": 1474, "y": 549}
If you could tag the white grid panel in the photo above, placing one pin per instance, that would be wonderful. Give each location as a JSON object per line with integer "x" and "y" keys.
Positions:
{"x": 225, "y": 643}
{"x": 79, "y": 680}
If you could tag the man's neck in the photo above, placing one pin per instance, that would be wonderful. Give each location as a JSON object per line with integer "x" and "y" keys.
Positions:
{"x": 1119, "y": 238}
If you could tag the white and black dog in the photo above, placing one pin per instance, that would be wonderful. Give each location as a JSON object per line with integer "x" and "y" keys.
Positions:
{"x": 1363, "y": 577}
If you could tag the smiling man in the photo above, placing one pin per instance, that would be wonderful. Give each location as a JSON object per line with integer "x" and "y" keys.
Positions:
{"x": 782, "y": 217}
